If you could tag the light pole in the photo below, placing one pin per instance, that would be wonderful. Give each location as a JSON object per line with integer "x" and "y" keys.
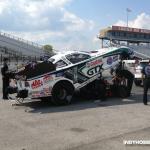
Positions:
{"x": 128, "y": 10}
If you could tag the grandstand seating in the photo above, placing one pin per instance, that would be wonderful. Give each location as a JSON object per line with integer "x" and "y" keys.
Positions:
{"x": 17, "y": 46}
{"x": 141, "y": 51}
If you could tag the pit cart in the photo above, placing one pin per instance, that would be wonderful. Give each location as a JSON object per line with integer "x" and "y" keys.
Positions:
{"x": 45, "y": 80}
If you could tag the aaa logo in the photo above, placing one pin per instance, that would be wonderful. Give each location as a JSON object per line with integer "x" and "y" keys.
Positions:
{"x": 36, "y": 84}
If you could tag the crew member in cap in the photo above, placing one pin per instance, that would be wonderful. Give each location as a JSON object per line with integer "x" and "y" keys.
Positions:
{"x": 146, "y": 81}
{"x": 5, "y": 77}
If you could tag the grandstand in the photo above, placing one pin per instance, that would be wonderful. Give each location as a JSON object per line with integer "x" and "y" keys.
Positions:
{"x": 137, "y": 39}
{"x": 13, "y": 46}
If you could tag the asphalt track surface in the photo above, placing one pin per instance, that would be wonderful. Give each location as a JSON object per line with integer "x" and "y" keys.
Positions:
{"x": 83, "y": 125}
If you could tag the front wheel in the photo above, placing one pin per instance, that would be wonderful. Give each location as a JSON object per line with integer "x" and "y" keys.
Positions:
{"x": 62, "y": 94}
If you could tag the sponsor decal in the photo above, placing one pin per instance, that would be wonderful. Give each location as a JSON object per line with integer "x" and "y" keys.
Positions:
{"x": 42, "y": 93}
{"x": 47, "y": 91}
{"x": 94, "y": 70}
{"x": 36, "y": 93}
{"x": 94, "y": 63}
{"x": 47, "y": 79}
{"x": 89, "y": 72}
{"x": 109, "y": 60}
{"x": 36, "y": 83}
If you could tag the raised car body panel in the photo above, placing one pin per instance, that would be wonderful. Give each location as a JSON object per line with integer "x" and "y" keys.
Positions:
{"x": 79, "y": 74}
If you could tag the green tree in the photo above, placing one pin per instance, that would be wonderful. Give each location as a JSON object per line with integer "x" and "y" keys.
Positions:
{"x": 48, "y": 49}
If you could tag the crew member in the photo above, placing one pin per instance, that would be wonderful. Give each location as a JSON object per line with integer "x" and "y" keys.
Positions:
{"x": 121, "y": 71}
{"x": 5, "y": 78}
{"x": 146, "y": 81}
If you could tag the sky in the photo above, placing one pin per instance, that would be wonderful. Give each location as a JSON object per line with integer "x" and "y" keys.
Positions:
{"x": 70, "y": 24}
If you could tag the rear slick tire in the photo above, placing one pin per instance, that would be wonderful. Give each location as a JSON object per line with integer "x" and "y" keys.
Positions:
{"x": 62, "y": 94}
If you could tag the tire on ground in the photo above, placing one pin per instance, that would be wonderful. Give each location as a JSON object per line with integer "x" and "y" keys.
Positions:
{"x": 62, "y": 93}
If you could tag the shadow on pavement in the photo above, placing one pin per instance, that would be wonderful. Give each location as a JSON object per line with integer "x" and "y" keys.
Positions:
{"x": 81, "y": 104}
{"x": 134, "y": 98}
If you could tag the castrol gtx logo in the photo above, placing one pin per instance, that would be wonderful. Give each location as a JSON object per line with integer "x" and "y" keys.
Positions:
{"x": 36, "y": 83}
{"x": 92, "y": 68}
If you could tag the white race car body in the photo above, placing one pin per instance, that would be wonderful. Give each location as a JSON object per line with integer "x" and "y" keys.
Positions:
{"x": 76, "y": 68}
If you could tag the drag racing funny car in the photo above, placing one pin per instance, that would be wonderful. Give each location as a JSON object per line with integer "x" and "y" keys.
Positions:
{"x": 63, "y": 74}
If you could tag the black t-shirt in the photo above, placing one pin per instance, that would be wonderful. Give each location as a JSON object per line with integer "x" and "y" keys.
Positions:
{"x": 4, "y": 70}
{"x": 119, "y": 67}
